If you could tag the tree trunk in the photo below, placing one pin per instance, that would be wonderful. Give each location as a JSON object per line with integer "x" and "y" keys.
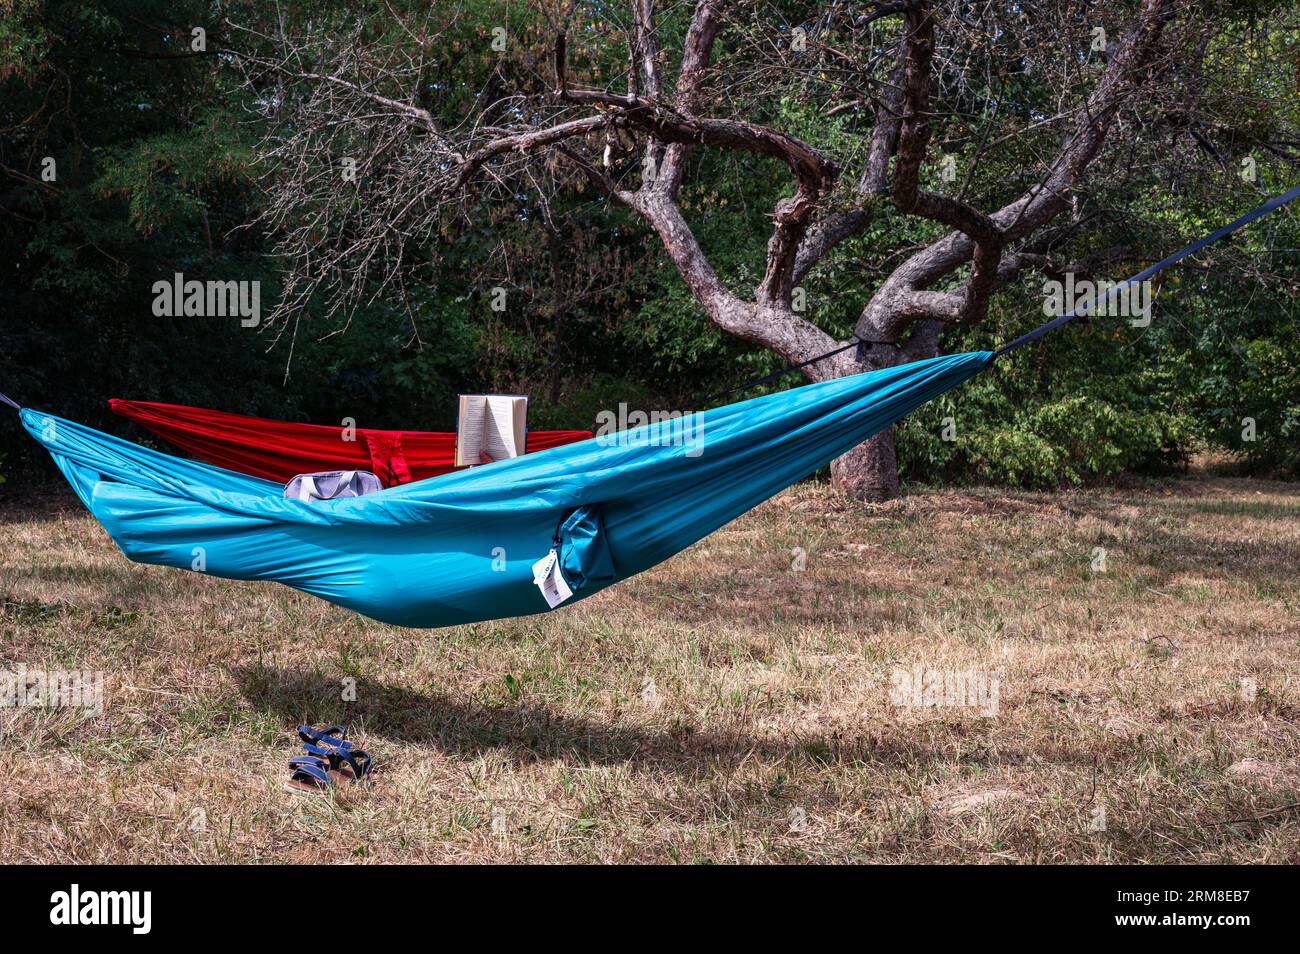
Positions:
{"x": 870, "y": 470}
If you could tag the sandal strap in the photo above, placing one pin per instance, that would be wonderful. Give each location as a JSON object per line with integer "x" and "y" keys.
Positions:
{"x": 358, "y": 760}
{"x": 335, "y": 734}
{"x": 305, "y": 772}
{"x": 326, "y": 753}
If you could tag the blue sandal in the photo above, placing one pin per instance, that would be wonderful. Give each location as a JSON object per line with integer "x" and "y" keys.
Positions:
{"x": 329, "y": 759}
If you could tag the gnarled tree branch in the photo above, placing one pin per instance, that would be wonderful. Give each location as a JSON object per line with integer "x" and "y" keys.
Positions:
{"x": 905, "y": 295}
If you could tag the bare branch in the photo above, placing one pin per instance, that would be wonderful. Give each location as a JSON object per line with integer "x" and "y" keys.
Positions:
{"x": 830, "y": 231}
{"x": 602, "y": 182}
{"x": 697, "y": 51}
{"x": 524, "y": 142}
{"x": 903, "y": 296}
{"x": 914, "y": 136}
{"x": 645, "y": 47}
{"x": 415, "y": 112}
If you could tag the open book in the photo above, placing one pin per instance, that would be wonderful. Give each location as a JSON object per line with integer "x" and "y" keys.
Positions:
{"x": 495, "y": 425}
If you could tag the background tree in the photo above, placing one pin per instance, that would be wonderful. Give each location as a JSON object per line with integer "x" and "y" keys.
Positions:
{"x": 1022, "y": 100}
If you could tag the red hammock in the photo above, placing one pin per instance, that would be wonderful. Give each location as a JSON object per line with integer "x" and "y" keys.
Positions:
{"x": 280, "y": 450}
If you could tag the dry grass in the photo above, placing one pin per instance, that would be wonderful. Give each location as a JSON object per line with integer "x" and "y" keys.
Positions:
{"x": 720, "y": 708}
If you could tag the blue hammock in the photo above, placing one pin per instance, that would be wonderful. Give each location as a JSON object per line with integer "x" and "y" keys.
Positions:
{"x": 459, "y": 548}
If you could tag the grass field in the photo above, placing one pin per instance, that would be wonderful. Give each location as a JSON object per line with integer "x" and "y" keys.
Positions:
{"x": 727, "y": 706}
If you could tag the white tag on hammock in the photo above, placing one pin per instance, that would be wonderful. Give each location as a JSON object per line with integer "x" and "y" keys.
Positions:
{"x": 549, "y": 579}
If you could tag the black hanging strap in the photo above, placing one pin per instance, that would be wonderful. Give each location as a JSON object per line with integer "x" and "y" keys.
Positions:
{"x": 855, "y": 342}
{"x": 783, "y": 372}
{"x": 1267, "y": 207}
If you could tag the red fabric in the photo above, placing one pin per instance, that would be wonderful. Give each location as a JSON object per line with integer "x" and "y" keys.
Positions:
{"x": 280, "y": 450}
{"x": 388, "y": 458}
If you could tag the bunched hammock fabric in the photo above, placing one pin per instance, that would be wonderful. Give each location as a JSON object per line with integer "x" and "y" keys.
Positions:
{"x": 280, "y": 450}
{"x": 460, "y": 548}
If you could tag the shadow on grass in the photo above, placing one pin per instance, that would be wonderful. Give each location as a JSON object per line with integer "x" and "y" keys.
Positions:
{"x": 1179, "y": 551}
{"x": 40, "y": 503}
{"x": 462, "y": 727}
{"x": 530, "y": 733}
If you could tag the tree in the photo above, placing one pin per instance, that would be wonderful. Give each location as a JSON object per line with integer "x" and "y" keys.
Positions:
{"x": 117, "y": 167}
{"x": 425, "y": 152}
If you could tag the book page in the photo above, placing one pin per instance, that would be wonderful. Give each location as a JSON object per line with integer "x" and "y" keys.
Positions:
{"x": 469, "y": 429}
{"x": 504, "y": 423}
{"x": 521, "y": 426}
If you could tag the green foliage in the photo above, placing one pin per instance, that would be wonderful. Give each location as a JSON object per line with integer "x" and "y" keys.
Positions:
{"x": 1091, "y": 409}
{"x": 168, "y": 180}
{"x": 23, "y": 37}
{"x": 150, "y": 179}
{"x": 1244, "y": 381}
{"x": 1074, "y": 439}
